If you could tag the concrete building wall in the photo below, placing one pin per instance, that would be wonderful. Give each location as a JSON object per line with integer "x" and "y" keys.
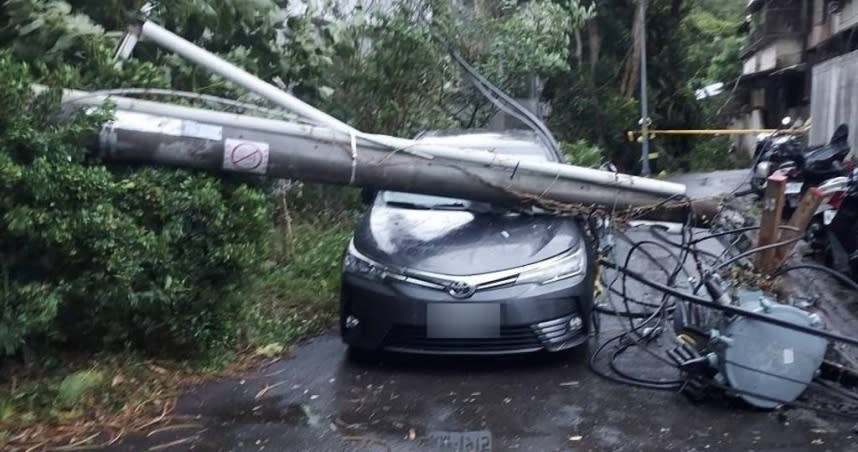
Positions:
{"x": 778, "y": 54}
{"x": 847, "y": 16}
{"x": 833, "y": 100}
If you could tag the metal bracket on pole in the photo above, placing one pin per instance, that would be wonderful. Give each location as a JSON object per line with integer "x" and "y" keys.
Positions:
{"x": 126, "y": 46}
{"x": 132, "y": 36}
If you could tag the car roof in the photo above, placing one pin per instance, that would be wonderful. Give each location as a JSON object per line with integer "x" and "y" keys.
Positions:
{"x": 513, "y": 142}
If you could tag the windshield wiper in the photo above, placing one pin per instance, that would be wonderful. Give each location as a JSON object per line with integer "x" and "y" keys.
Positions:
{"x": 408, "y": 205}
{"x": 440, "y": 206}
{"x": 476, "y": 207}
{"x": 451, "y": 206}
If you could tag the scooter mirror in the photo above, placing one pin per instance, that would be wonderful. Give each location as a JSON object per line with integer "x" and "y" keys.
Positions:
{"x": 786, "y": 121}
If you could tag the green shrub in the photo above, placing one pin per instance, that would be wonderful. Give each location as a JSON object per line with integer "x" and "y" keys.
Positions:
{"x": 299, "y": 296}
{"x": 74, "y": 387}
{"x": 582, "y": 153}
{"x": 108, "y": 257}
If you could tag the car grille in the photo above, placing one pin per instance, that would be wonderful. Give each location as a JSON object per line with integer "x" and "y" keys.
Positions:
{"x": 413, "y": 338}
{"x": 551, "y": 335}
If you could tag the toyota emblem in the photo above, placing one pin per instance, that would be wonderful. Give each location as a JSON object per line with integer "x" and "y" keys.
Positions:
{"x": 461, "y": 289}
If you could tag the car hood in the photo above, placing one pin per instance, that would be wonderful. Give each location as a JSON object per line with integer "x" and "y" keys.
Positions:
{"x": 462, "y": 242}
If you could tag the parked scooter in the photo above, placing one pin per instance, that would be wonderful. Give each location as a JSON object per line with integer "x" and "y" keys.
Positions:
{"x": 772, "y": 151}
{"x": 815, "y": 166}
{"x": 834, "y": 231}
{"x": 803, "y": 168}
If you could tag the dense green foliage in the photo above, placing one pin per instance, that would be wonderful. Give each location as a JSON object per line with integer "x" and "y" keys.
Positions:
{"x": 98, "y": 257}
{"x": 690, "y": 44}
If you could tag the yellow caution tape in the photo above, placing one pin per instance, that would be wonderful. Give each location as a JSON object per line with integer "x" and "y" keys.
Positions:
{"x": 632, "y": 134}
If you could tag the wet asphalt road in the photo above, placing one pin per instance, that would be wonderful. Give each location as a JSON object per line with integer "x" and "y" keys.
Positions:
{"x": 320, "y": 400}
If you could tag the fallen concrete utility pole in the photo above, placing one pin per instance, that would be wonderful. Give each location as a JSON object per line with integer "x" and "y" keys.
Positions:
{"x": 154, "y": 132}
{"x": 330, "y": 151}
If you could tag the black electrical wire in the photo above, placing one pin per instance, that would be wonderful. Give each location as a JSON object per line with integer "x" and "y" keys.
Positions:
{"x": 741, "y": 256}
{"x": 736, "y": 231}
{"x": 831, "y": 272}
{"x": 669, "y": 385}
{"x": 643, "y": 339}
{"x": 610, "y": 287}
{"x": 754, "y": 251}
{"x": 671, "y": 275}
{"x": 688, "y": 248}
{"x": 633, "y": 315}
{"x": 618, "y": 379}
{"x": 632, "y": 300}
{"x": 652, "y": 258}
{"x": 732, "y": 309}
{"x": 658, "y": 234}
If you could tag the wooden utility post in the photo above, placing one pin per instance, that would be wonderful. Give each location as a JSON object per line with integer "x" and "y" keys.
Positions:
{"x": 773, "y": 204}
{"x": 800, "y": 220}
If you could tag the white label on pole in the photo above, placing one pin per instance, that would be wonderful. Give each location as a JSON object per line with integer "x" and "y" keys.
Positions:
{"x": 789, "y": 356}
{"x": 201, "y": 130}
{"x": 245, "y": 156}
{"x": 167, "y": 126}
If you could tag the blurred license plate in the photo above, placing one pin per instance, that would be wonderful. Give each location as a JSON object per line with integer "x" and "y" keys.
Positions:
{"x": 462, "y": 320}
{"x": 793, "y": 188}
{"x": 479, "y": 441}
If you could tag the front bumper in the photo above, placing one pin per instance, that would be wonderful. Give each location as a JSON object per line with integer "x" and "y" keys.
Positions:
{"x": 392, "y": 316}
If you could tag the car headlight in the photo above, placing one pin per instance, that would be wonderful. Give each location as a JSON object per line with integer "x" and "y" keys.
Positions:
{"x": 555, "y": 269}
{"x": 357, "y": 266}
{"x": 356, "y": 263}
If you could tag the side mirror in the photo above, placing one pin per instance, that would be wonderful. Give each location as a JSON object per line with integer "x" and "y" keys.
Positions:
{"x": 367, "y": 196}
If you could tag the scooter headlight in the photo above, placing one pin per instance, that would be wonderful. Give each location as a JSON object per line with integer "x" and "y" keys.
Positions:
{"x": 762, "y": 169}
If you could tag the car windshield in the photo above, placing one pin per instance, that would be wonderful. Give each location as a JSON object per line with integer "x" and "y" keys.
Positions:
{"x": 418, "y": 201}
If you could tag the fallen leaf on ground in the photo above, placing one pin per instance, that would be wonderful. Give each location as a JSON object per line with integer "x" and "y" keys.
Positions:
{"x": 270, "y": 350}
{"x": 267, "y": 388}
{"x": 157, "y": 369}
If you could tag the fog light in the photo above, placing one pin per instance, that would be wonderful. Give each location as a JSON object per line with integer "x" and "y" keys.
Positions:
{"x": 352, "y": 321}
{"x": 575, "y": 323}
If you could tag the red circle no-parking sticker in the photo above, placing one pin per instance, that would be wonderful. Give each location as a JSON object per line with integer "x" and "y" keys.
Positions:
{"x": 245, "y": 156}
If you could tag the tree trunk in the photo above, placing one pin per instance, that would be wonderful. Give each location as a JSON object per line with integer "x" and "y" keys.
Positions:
{"x": 595, "y": 45}
{"x": 579, "y": 49}
{"x": 631, "y": 73}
